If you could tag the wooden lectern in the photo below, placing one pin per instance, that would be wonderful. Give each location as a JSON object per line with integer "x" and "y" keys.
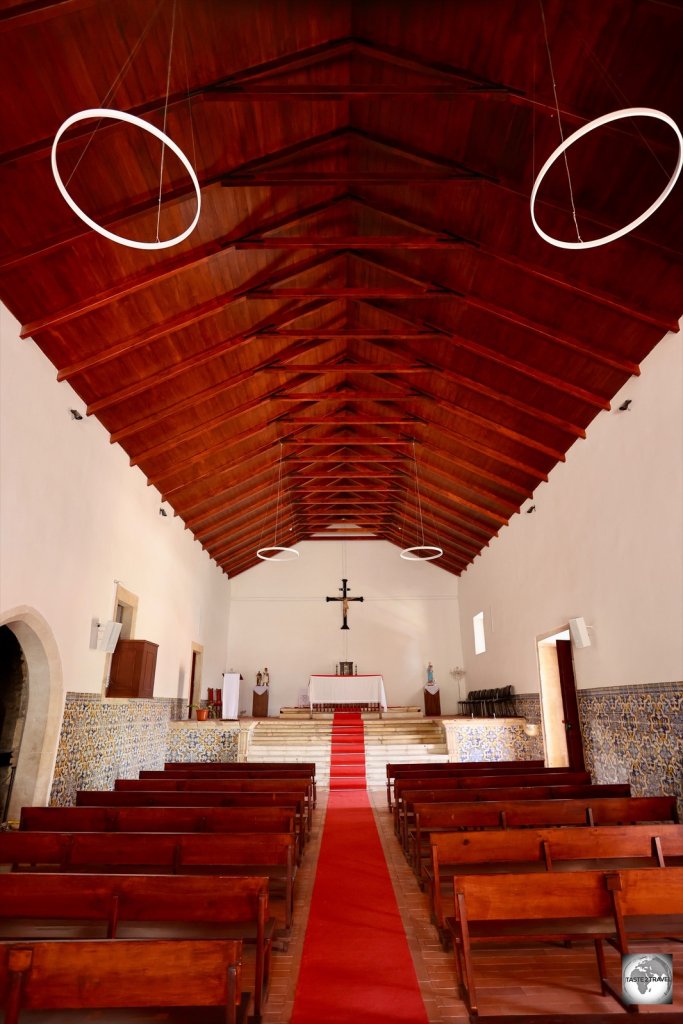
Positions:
{"x": 432, "y": 703}
{"x": 259, "y": 704}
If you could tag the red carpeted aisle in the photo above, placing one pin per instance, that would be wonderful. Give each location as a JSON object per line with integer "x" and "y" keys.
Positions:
{"x": 356, "y": 966}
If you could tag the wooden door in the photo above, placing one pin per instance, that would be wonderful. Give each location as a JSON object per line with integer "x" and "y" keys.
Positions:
{"x": 570, "y": 706}
{"x": 194, "y": 695}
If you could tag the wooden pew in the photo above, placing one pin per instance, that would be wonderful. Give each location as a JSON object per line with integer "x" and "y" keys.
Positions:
{"x": 559, "y": 849}
{"x": 431, "y": 784}
{"x": 104, "y": 974}
{"x": 301, "y": 787}
{"x": 514, "y": 814}
{"x": 559, "y": 906}
{"x": 265, "y": 769}
{"x": 172, "y": 766}
{"x": 160, "y": 798}
{"x": 156, "y": 819}
{"x": 647, "y": 906}
{"x": 422, "y": 769}
{"x": 530, "y": 792}
{"x": 486, "y": 779}
{"x": 141, "y": 906}
{"x": 262, "y": 853}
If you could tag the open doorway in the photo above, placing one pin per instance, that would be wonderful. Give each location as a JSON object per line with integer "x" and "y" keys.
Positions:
{"x": 34, "y": 704}
{"x": 559, "y": 705}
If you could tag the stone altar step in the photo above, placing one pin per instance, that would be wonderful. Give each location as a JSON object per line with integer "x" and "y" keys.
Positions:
{"x": 300, "y": 738}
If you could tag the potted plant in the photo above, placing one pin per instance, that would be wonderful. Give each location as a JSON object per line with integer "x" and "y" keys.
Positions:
{"x": 201, "y": 713}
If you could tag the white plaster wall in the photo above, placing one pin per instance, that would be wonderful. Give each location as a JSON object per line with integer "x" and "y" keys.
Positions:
{"x": 279, "y": 618}
{"x": 74, "y": 517}
{"x": 605, "y": 543}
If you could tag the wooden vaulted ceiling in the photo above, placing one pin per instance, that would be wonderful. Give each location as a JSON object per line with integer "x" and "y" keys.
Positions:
{"x": 364, "y": 311}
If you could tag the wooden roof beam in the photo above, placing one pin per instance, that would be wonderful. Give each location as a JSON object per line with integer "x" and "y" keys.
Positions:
{"x": 319, "y": 369}
{"x": 471, "y": 384}
{"x": 166, "y": 270}
{"x": 428, "y": 471}
{"x": 617, "y": 304}
{"x": 539, "y": 376}
{"x": 518, "y": 320}
{"x": 515, "y": 436}
{"x": 189, "y": 402}
{"x": 260, "y": 527}
{"x": 194, "y": 315}
{"x": 443, "y": 520}
{"x": 164, "y": 482}
{"x": 173, "y": 441}
{"x": 115, "y": 215}
{"x": 206, "y": 509}
{"x": 351, "y": 242}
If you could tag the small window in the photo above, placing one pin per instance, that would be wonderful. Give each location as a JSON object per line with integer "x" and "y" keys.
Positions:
{"x": 479, "y": 634}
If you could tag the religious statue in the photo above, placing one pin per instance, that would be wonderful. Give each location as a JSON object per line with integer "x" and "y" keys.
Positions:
{"x": 259, "y": 678}
{"x": 266, "y": 677}
{"x": 430, "y": 674}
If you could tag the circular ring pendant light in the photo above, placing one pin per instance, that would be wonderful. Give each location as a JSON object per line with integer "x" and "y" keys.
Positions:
{"x": 422, "y": 553}
{"x": 277, "y": 552}
{"x": 615, "y": 115}
{"x": 122, "y": 115}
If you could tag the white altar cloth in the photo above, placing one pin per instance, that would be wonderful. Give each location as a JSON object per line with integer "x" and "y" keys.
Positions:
{"x": 347, "y": 690}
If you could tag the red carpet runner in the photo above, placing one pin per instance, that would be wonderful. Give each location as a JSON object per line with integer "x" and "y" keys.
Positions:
{"x": 356, "y": 967}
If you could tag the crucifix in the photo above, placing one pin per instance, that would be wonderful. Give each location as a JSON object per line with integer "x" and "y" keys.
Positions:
{"x": 344, "y": 590}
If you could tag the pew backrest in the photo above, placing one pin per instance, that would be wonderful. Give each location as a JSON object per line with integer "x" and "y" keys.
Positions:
{"x": 77, "y": 974}
{"x": 157, "y": 819}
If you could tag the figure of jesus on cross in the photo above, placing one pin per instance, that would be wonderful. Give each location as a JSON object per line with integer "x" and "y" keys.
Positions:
{"x": 344, "y": 590}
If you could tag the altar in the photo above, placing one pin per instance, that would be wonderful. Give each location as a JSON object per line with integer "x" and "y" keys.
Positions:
{"x": 325, "y": 692}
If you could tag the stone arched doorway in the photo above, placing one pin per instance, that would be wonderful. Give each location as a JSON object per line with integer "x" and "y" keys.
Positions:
{"x": 42, "y": 703}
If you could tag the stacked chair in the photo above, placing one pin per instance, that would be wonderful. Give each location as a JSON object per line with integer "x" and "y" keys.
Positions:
{"x": 495, "y": 703}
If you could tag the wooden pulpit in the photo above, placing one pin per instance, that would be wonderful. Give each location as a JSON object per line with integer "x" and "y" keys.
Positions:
{"x": 432, "y": 703}
{"x": 259, "y": 703}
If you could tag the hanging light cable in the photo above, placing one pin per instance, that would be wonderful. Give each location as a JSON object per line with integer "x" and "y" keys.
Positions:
{"x": 276, "y": 552}
{"x": 106, "y": 113}
{"x": 615, "y": 115}
{"x": 420, "y": 552}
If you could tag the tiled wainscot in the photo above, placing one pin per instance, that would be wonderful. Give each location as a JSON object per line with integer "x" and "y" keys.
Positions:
{"x": 104, "y": 740}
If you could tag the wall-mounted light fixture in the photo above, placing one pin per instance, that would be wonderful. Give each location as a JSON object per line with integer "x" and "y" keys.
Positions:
{"x": 75, "y": 414}
{"x": 103, "y": 636}
{"x": 625, "y": 405}
{"x": 163, "y": 512}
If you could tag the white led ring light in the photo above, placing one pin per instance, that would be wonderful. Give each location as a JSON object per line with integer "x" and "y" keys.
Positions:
{"x": 277, "y": 554}
{"x": 412, "y": 554}
{"x": 616, "y": 115}
{"x": 122, "y": 115}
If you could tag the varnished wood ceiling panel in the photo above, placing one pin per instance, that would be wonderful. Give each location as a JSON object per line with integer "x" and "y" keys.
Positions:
{"x": 364, "y": 294}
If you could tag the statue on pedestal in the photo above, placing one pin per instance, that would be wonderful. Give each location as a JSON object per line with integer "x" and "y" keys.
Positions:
{"x": 265, "y": 681}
